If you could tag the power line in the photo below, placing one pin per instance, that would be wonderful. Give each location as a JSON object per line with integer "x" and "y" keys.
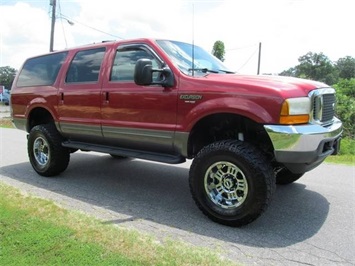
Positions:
{"x": 248, "y": 60}
{"x": 62, "y": 16}
{"x": 242, "y": 47}
{"x": 77, "y": 22}
{"x": 61, "y": 22}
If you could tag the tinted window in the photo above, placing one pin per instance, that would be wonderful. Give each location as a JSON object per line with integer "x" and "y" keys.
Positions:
{"x": 85, "y": 66}
{"x": 41, "y": 71}
{"x": 125, "y": 61}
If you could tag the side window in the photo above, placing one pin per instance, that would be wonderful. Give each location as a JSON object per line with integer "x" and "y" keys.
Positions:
{"x": 41, "y": 71}
{"x": 85, "y": 66}
{"x": 125, "y": 61}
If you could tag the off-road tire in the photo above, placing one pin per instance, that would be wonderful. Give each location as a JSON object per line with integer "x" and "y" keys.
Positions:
{"x": 241, "y": 170}
{"x": 285, "y": 177}
{"x": 45, "y": 151}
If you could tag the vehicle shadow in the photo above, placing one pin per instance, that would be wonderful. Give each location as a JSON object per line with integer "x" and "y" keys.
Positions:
{"x": 160, "y": 193}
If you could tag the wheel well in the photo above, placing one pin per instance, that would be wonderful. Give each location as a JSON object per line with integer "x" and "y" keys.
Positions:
{"x": 225, "y": 126}
{"x": 39, "y": 116}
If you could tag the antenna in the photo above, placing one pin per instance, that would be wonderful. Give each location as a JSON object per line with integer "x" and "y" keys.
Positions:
{"x": 193, "y": 39}
{"x": 259, "y": 57}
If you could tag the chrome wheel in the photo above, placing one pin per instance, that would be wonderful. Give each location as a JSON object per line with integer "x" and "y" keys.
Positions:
{"x": 226, "y": 185}
{"x": 41, "y": 151}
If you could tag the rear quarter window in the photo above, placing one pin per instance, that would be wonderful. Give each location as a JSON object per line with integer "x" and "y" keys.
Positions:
{"x": 41, "y": 71}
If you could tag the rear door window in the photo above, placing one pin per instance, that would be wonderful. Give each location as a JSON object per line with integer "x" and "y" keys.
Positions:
{"x": 41, "y": 71}
{"x": 85, "y": 66}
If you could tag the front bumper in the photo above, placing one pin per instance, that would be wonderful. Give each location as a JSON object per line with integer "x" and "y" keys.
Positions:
{"x": 303, "y": 147}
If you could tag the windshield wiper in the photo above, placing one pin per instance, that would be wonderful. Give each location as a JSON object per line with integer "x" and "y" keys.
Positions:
{"x": 227, "y": 71}
{"x": 203, "y": 70}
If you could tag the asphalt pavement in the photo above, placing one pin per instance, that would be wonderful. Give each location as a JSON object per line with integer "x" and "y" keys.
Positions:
{"x": 310, "y": 222}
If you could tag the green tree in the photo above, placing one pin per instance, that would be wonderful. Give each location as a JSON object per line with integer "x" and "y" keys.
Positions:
{"x": 345, "y": 110}
{"x": 314, "y": 66}
{"x": 346, "y": 67}
{"x": 219, "y": 50}
{"x": 7, "y": 75}
{"x": 317, "y": 67}
{"x": 291, "y": 72}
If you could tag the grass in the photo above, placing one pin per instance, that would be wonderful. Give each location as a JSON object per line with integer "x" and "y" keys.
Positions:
{"x": 341, "y": 159}
{"x": 6, "y": 122}
{"x": 346, "y": 154}
{"x": 37, "y": 232}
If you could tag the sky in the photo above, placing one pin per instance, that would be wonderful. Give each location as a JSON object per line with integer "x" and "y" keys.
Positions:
{"x": 286, "y": 29}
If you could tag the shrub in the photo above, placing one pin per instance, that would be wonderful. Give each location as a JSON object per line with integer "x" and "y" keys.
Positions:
{"x": 346, "y": 105}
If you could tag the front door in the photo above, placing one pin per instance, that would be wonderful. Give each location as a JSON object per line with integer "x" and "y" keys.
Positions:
{"x": 133, "y": 116}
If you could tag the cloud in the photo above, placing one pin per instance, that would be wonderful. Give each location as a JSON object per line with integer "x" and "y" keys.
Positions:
{"x": 287, "y": 29}
{"x": 22, "y": 31}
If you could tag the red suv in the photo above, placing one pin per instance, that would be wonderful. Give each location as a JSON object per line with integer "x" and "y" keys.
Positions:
{"x": 169, "y": 101}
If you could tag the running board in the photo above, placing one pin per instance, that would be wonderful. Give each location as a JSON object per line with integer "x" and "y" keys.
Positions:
{"x": 152, "y": 156}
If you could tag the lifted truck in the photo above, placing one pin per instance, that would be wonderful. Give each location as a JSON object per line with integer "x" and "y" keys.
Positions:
{"x": 169, "y": 101}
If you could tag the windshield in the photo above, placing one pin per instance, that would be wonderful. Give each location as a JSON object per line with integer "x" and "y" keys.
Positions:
{"x": 192, "y": 61}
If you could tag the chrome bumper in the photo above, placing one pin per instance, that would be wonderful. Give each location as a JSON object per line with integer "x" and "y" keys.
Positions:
{"x": 304, "y": 146}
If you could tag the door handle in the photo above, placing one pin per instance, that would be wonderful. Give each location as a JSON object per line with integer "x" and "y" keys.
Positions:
{"x": 62, "y": 98}
{"x": 107, "y": 97}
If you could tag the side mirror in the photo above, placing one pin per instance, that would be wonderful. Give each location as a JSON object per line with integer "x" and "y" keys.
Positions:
{"x": 143, "y": 74}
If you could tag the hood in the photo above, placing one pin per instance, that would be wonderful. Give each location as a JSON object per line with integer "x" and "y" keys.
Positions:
{"x": 285, "y": 86}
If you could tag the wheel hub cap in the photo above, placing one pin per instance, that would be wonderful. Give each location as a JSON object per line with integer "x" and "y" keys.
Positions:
{"x": 41, "y": 151}
{"x": 226, "y": 185}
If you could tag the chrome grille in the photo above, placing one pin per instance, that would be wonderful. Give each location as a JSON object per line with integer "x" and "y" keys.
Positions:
{"x": 323, "y": 107}
{"x": 328, "y": 107}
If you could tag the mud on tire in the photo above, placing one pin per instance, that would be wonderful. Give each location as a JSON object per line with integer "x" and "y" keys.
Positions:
{"x": 231, "y": 182}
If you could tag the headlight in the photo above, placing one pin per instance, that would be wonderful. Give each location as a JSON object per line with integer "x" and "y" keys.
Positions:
{"x": 295, "y": 111}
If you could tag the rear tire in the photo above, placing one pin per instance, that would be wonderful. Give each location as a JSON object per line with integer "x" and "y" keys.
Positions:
{"x": 231, "y": 182}
{"x": 47, "y": 155}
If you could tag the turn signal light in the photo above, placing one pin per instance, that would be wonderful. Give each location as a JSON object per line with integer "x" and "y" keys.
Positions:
{"x": 295, "y": 111}
{"x": 294, "y": 119}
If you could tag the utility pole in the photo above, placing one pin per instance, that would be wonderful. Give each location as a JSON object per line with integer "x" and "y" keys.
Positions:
{"x": 53, "y": 4}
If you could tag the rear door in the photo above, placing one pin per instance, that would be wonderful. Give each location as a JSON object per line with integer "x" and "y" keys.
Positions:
{"x": 80, "y": 96}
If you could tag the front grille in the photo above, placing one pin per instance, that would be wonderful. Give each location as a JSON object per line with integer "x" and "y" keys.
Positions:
{"x": 323, "y": 108}
{"x": 328, "y": 107}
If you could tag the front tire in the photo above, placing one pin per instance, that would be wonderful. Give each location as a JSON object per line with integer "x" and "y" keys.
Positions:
{"x": 231, "y": 182}
{"x": 47, "y": 155}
